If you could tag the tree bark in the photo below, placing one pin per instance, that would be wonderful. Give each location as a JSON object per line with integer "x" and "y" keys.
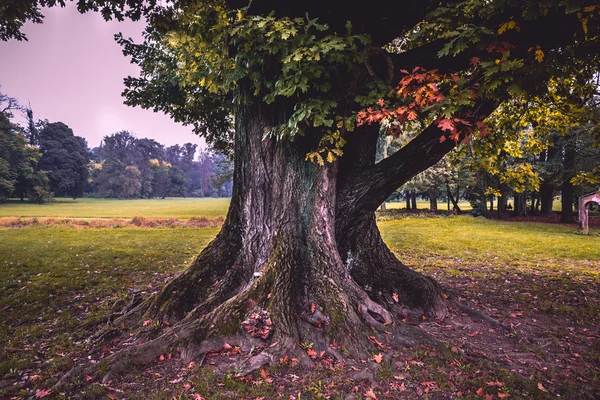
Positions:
{"x": 433, "y": 199}
{"x": 413, "y": 200}
{"x": 546, "y": 198}
{"x": 520, "y": 209}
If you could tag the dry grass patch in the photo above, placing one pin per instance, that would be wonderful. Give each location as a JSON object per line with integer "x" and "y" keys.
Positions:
{"x": 135, "y": 222}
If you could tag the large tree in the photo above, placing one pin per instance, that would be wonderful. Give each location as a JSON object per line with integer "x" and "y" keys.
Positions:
{"x": 300, "y": 92}
{"x": 65, "y": 158}
{"x": 20, "y": 174}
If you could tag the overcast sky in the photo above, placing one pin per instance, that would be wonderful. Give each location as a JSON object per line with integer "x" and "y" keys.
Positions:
{"x": 71, "y": 70}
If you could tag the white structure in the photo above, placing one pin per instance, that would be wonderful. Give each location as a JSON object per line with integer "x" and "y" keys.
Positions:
{"x": 584, "y": 202}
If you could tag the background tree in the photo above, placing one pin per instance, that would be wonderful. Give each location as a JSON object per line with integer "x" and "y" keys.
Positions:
{"x": 65, "y": 158}
{"x": 144, "y": 151}
{"x": 20, "y": 174}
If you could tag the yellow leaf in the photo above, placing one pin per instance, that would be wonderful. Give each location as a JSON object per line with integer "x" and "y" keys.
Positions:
{"x": 584, "y": 25}
{"x": 506, "y": 26}
{"x": 320, "y": 159}
{"x": 539, "y": 55}
{"x": 330, "y": 157}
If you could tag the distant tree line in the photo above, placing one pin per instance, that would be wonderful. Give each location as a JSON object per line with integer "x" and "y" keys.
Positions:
{"x": 43, "y": 160}
{"x": 124, "y": 166}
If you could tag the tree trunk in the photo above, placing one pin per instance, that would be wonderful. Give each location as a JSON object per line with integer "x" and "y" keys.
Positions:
{"x": 407, "y": 194}
{"x": 567, "y": 202}
{"x": 413, "y": 200}
{"x": 433, "y": 199}
{"x": 520, "y": 209}
{"x": 289, "y": 266}
{"x": 567, "y": 192}
{"x": 546, "y": 198}
{"x": 452, "y": 199}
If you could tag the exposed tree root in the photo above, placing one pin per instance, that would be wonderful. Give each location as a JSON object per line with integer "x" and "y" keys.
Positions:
{"x": 332, "y": 316}
{"x": 475, "y": 314}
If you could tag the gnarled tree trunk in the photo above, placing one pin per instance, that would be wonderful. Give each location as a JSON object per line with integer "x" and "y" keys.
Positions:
{"x": 299, "y": 259}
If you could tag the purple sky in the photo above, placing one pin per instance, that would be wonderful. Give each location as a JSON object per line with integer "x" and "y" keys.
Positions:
{"x": 71, "y": 70}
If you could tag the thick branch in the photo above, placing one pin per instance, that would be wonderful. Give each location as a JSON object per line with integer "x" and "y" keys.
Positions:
{"x": 370, "y": 187}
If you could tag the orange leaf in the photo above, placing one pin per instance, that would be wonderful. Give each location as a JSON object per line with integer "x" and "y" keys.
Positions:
{"x": 378, "y": 358}
{"x": 370, "y": 394}
{"x": 311, "y": 353}
{"x": 395, "y": 297}
{"x": 147, "y": 322}
{"x": 542, "y": 388}
{"x": 480, "y": 392}
{"x": 264, "y": 373}
{"x": 503, "y": 395}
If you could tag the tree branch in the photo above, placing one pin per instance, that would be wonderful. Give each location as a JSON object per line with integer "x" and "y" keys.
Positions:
{"x": 371, "y": 186}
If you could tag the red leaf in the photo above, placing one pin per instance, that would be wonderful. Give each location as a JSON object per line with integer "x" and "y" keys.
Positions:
{"x": 312, "y": 308}
{"x": 39, "y": 393}
{"x": 475, "y": 61}
{"x": 480, "y": 392}
{"x": 446, "y": 125}
{"x": 147, "y": 322}
{"x": 442, "y": 139}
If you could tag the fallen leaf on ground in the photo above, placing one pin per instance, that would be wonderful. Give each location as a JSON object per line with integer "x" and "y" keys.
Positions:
{"x": 39, "y": 393}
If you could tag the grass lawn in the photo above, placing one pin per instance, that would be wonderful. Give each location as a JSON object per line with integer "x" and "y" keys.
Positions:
{"x": 542, "y": 280}
{"x": 182, "y": 208}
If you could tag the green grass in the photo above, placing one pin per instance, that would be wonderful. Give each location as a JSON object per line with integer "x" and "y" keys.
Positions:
{"x": 471, "y": 239}
{"x": 56, "y": 281}
{"x": 182, "y": 208}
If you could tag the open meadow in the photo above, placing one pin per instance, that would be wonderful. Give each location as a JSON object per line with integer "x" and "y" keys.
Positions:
{"x": 534, "y": 289}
